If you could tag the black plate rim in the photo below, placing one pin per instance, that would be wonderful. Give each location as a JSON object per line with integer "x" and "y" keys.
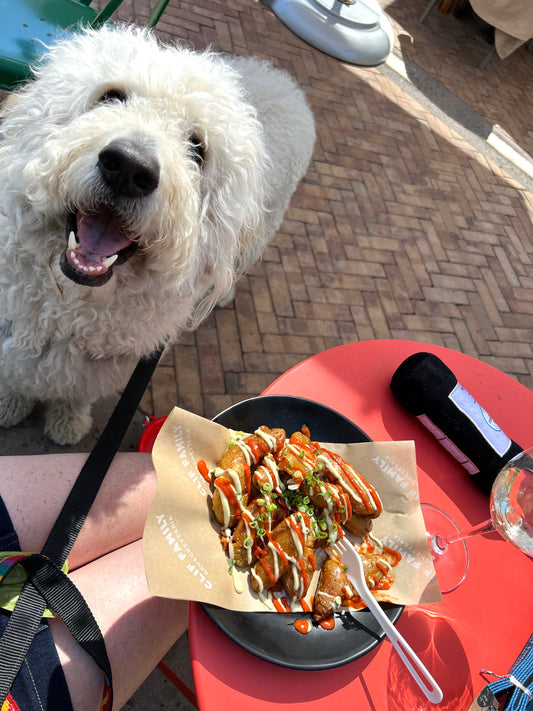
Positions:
{"x": 218, "y": 615}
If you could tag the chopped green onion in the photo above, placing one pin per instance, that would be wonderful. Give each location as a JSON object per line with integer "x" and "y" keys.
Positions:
{"x": 248, "y": 542}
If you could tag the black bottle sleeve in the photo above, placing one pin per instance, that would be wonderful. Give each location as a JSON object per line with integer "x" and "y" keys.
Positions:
{"x": 428, "y": 389}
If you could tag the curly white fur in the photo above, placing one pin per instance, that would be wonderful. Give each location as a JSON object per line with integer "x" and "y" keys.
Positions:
{"x": 67, "y": 343}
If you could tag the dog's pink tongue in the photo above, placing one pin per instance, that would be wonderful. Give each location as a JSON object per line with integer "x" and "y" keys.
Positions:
{"x": 100, "y": 234}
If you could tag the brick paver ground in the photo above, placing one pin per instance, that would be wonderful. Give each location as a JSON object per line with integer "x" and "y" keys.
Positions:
{"x": 400, "y": 229}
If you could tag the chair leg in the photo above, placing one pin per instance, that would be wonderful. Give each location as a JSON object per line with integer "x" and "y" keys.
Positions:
{"x": 178, "y": 683}
{"x": 156, "y": 13}
{"x": 428, "y": 9}
{"x": 490, "y": 55}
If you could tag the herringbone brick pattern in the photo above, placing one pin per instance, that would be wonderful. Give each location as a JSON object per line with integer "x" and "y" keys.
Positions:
{"x": 400, "y": 229}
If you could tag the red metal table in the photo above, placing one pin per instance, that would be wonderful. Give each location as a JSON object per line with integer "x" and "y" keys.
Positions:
{"x": 482, "y": 624}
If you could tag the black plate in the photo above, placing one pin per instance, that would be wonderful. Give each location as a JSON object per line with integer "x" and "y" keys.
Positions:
{"x": 271, "y": 636}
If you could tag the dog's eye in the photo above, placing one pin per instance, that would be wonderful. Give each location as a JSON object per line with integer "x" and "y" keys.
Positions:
{"x": 112, "y": 95}
{"x": 197, "y": 149}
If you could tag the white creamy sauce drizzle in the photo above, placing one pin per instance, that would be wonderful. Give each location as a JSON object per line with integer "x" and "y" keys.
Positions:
{"x": 376, "y": 541}
{"x": 262, "y": 594}
{"x": 270, "y": 441}
{"x": 306, "y": 460}
{"x": 295, "y": 604}
{"x": 330, "y": 466}
{"x": 245, "y": 449}
{"x": 268, "y": 473}
{"x": 237, "y": 488}
{"x": 386, "y": 564}
{"x": 275, "y": 559}
{"x": 298, "y": 581}
{"x": 364, "y": 486}
{"x": 258, "y": 580}
{"x": 237, "y": 582}
{"x": 296, "y": 538}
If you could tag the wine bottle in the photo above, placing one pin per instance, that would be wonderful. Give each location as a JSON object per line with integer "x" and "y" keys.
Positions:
{"x": 428, "y": 389}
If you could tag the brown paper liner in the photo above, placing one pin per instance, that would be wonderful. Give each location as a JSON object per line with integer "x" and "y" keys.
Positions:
{"x": 182, "y": 552}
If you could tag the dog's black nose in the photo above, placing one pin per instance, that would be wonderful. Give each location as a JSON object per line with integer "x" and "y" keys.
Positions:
{"x": 128, "y": 169}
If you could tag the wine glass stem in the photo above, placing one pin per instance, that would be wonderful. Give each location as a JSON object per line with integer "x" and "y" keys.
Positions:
{"x": 442, "y": 542}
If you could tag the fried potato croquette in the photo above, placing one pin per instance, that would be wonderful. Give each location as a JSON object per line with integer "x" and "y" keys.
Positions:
{"x": 359, "y": 525}
{"x": 364, "y": 498}
{"x": 297, "y": 458}
{"x": 297, "y": 578}
{"x": 233, "y": 472}
{"x": 286, "y": 546}
{"x": 247, "y": 535}
{"x": 333, "y": 587}
{"x": 378, "y": 563}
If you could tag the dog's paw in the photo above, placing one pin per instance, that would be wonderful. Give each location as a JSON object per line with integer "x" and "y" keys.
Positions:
{"x": 230, "y": 296}
{"x": 66, "y": 422}
{"x": 14, "y": 409}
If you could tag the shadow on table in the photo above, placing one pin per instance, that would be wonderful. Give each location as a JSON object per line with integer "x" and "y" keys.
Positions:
{"x": 439, "y": 647}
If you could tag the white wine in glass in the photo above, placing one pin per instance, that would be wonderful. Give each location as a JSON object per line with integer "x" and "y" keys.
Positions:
{"x": 511, "y": 514}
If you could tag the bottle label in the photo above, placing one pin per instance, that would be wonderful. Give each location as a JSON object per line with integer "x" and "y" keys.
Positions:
{"x": 485, "y": 425}
{"x": 448, "y": 445}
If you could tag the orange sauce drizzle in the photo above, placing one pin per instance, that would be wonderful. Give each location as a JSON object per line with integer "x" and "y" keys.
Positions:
{"x": 248, "y": 479}
{"x": 297, "y": 529}
{"x": 348, "y": 505}
{"x": 397, "y": 556}
{"x": 278, "y": 548}
{"x": 258, "y": 447}
{"x": 361, "y": 490}
{"x": 267, "y": 569}
{"x": 204, "y": 470}
{"x": 302, "y": 626}
{"x": 277, "y": 604}
{"x": 328, "y": 623}
{"x": 303, "y": 572}
{"x": 229, "y": 492}
{"x": 305, "y": 606}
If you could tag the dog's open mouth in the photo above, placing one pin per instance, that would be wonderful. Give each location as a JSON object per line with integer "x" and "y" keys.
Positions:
{"x": 95, "y": 243}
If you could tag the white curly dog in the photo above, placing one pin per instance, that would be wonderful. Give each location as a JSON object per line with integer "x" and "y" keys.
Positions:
{"x": 137, "y": 183}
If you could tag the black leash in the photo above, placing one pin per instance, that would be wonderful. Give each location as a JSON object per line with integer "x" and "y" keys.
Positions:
{"x": 47, "y": 584}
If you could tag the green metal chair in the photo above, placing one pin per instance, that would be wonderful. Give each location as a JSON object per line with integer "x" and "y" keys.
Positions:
{"x": 29, "y": 25}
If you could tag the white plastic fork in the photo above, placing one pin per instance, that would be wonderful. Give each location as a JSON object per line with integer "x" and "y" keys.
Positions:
{"x": 354, "y": 570}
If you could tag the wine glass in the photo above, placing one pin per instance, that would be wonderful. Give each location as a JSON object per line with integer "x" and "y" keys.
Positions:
{"x": 511, "y": 515}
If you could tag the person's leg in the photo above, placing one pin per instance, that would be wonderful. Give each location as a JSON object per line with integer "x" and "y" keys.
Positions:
{"x": 138, "y": 629}
{"x": 34, "y": 489}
